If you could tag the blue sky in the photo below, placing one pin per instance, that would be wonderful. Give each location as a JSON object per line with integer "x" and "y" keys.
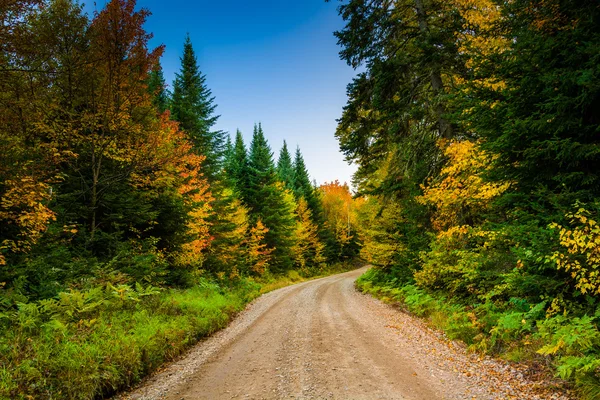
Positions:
{"x": 273, "y": 61}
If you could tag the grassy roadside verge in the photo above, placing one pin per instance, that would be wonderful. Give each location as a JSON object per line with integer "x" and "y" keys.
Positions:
{"x": 89, "y": 344}
{"x": 553, "y": 348}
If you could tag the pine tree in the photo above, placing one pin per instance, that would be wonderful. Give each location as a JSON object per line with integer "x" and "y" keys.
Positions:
{"x": 304, "y": 189}
{"x": 236, "y": 166}
{"x": 261, "y": 168}
{"x": 285, "y": 168}
{"x": 157, "y": 87}
{"x": 193, "y": 107}
{"x": 268, "y": 201}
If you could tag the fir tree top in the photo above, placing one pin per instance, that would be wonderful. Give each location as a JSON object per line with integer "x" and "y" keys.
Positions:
{"x": 302, "y": 185}
{"x": 157, "y": 87}
{"x": 261, "y": 158}
{"x": 194, "y": 108}
{"x": 285, "y": 168}
{"x": 237, "y": 164}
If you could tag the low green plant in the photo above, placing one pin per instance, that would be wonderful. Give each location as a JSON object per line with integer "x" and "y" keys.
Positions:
{"x": 91, "y": 343}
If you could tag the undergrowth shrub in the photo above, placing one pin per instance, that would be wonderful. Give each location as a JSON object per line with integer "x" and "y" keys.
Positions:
{"x": 86, "y": 344}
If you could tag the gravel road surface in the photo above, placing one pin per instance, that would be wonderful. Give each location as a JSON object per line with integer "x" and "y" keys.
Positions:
{"x": 323, "y": 340}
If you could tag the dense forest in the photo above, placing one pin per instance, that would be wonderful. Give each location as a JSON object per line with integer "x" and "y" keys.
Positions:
{"x": 476, "y": 128}
{"x": 129, "y": 226}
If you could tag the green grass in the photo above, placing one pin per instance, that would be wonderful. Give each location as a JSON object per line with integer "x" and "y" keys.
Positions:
{"x": 89, "y": 344}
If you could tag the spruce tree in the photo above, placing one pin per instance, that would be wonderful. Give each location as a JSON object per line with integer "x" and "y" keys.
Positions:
{"x": 262, "y": 168}
{"x": 194, "y": 108}
{"x": 285, "y": 168}
{"x": 304, "y": 189}
{"x": 302, "y": 186}
{"x": 228, "y": 150}
{"x": 236, "y": 166}
{"x": 157, "y": 87}
{"x": 544, "y": 126}
{"x": 269, "y": 201}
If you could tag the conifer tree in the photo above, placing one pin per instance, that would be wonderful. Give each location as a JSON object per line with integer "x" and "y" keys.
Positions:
{"x": 158, "y": 89}
{"x": 268, "y": 201}
{"x": 544, "y": 123}
{"x": 285, "y": 168}
{"x": 228, "y": 150}
{"x": 236, "y": 165}
{"x": 227, "y": 252}
{"x": 302, "y": 186}
{"x": 259, "y": 254}
{"x": 304, "y": 189}
{"x": 194, "y": 108}
{"x": 261, "y": 168}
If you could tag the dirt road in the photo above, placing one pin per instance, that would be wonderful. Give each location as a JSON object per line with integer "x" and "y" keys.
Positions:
{"x": 324, "y": 340}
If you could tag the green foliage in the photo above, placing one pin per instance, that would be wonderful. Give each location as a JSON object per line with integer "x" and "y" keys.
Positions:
{"x": 86, "y": 344}
{"x": 157, "y": 87}
{"x": 236, "y": 166}
{"x": 270, "y": 202}
{"x": 193, "y": 107}
{"x": 478, "y": 150}
{"x": 285, "y": 167}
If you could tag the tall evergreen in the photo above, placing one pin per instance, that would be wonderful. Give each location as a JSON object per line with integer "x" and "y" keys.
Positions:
{"x": 236, "y": 166}
{"x": 157, "y": 87}
{"x": 268, "y": 201}
{"x": 194, "y": 108}
{"x": 228, "y": 150}
{"x": 302, "y": 185}
{"x": 262, "y": 168}
{"x": 544, "y": 126}
{"x": 304, "y": 188}
{"x": 285, "y": 168}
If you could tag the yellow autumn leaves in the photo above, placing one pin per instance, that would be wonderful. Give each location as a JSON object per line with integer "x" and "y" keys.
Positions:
{"x": 460, "y": 193}
{"x": 580, "y": 255}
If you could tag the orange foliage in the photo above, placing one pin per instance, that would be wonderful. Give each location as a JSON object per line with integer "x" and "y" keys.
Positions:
{"x": 23, "y": 205}
{"x": 168, "y": 153}
{"x": 340, "y": 210}
{"x": 231, "y": 251}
